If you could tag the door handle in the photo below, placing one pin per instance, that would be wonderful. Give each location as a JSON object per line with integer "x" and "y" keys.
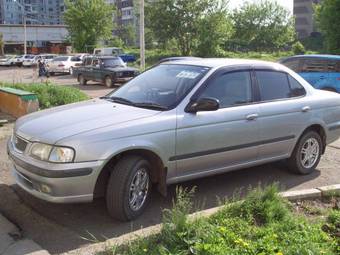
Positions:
{"x": 252, "y": 116}
{"x": 306, "y": 109}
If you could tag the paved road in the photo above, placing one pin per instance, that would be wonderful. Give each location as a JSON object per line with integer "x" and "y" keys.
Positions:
{"x": 28, "y": 75}
{"x": 60, "y": 228}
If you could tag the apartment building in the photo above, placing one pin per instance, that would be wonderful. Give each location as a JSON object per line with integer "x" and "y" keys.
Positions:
{"x": 304, "y": 17}
{"x": 38, "y": 12}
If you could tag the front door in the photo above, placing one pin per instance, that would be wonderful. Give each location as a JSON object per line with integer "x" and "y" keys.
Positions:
{"x": 212, "y": 142}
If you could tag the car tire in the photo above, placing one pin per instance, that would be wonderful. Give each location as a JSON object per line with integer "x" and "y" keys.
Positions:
{"x": 307, "y": 154}
{"x": 122, "y": 202}
{"x": 108, "y": 82}
{"x": 82, "y": 80}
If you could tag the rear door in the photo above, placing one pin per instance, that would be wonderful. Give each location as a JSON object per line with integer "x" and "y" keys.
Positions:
{"x": 284, "y": 112}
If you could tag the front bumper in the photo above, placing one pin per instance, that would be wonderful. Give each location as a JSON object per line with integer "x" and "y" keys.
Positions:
{"x": 57, "y": 183}
{"x": 123, "y": 79}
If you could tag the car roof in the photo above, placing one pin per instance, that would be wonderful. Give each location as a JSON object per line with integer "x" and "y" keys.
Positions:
{"x": 323, "y": 56}
{"x": 221, "y": 62}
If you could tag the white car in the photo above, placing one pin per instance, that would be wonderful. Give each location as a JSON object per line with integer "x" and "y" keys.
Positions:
{"x": 21, "y": 59}
{"x": 64, "y": 64}
{"x": 47, "y": 58}
{"x": 7, "y": 60}
{"x": 30, "y": 61}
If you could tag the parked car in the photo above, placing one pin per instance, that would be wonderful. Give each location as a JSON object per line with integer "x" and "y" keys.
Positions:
{"x": 322, "y": 71}
{"x": 64, "y": 64}
{"x": 30, "y": 61}
{"x": 117, "y": 52}
{"x": 108, "y": 70}
{"x": 20, "y": 59}
{"x": 47, "y": 58}
{"x": 172, "y": 123}
{"x": 7, "y": 60}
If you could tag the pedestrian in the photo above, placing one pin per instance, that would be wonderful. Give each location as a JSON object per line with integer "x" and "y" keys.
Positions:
{"x": 42, "y": 68}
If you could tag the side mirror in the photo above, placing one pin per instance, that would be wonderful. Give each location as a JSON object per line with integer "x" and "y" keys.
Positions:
{"x": 203, "y": 105}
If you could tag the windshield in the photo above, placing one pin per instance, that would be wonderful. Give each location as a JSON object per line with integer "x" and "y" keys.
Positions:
{"x": 161, "y": 87}
{"x": 112, "y": 62}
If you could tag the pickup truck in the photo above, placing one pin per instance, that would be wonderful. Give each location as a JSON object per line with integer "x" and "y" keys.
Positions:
{"x": 117, "y": 52}
{"x": 107, "y": 70}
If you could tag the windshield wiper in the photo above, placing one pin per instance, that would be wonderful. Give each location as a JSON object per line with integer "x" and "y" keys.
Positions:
{"x": 152, "y": 106}
{"x": 119, "y": 100}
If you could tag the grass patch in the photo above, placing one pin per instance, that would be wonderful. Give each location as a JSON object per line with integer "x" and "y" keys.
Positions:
{"x": 50, "y": 95}
{"x": 263, "y": 223}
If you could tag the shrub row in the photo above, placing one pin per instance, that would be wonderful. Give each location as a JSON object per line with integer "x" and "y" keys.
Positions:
{"x": 50, "y": 95}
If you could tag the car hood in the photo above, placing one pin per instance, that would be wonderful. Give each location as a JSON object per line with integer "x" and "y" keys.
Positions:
{"x": 50, "y": 126}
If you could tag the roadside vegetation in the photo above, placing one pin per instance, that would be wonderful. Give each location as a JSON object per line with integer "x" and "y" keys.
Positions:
{"x": 262, "y": 223}
{"x": 50, "y": 95}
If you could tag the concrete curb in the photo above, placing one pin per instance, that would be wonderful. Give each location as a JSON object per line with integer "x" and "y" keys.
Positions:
{"x": 306, "y": 194}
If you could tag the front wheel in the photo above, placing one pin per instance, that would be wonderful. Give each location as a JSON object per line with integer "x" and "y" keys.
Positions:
{"x": 307, "y": 153}
{"x": 129, "y": 188}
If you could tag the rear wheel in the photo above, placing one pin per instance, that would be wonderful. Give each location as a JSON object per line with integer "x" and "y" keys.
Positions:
{"x": 129, "y": 188}
{"x": 307, "y": 153}
{"x": 108, "y": 82}
{"x": 82, "y": 80}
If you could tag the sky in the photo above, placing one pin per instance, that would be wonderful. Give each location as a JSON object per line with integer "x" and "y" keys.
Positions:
{"x": 287, "y": 3}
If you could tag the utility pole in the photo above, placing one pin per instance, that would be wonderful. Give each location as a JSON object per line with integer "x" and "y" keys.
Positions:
{"x": 25, "y": 33}
{"x": 142, "y": 36}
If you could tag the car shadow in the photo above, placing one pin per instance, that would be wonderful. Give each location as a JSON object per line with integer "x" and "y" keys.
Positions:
{"x": 89, "y": 223}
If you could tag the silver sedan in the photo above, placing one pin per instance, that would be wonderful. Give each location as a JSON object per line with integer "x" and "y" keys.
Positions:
{"x": 178, "y": 121}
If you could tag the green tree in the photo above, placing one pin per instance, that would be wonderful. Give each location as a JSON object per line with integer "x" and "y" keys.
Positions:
{"x": 179, "y": 20}
{"x": 264, "y": 26}
{"x": 88, "y": 22}
{"x": 327, "y": 15}
{"x": 215, "y": 29}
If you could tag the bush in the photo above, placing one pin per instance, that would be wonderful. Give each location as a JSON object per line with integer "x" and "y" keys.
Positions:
{"x": 51, "y": 95}
{"x": 298, "y": 48}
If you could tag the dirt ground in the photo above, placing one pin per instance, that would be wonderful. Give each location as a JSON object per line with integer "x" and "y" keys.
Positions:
{"x": 61, "y": 228}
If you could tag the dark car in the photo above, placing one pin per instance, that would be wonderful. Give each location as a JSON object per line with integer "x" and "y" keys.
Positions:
{"x": 107, "y": 70}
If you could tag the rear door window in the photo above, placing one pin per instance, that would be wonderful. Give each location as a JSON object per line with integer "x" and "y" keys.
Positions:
{"x": 297, "y": 90}
{"x": 273, "y": 85}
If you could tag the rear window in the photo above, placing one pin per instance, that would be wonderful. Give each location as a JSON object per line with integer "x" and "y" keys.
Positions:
{"x": 60, "y": 59}
{"x": 273, "y": 85}
{"x": 75, "y": 59}
{"x": 293, "y": 64}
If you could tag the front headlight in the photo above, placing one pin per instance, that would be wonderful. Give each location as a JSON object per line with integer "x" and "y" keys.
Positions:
{"x": 62, "y": 155}
{"x": 52, "y": 153}
{"x": 40, "y": 151}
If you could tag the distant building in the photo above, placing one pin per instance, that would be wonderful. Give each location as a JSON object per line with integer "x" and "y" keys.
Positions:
{"x": 40, "y": 38}
{"x": 304, "y": 17}
{"x": 39, "y": 12}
